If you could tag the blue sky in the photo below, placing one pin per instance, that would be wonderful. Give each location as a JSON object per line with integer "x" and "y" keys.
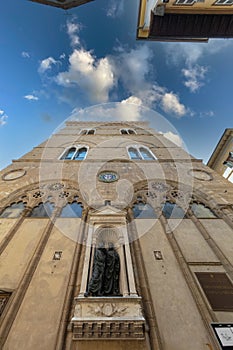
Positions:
{"x": 53, "y": 61}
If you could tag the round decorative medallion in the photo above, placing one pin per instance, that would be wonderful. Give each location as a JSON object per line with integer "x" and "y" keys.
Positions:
{"x": 159, "y": 186}
{"x": 56, "y": 186}
{"x": 108, "y": 176}
{"x": 14, "y": 174}
{"x": 200, "y": 174}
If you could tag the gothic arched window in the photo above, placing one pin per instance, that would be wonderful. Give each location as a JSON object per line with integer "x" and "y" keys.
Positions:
{"x": 75, "y": 153}
{"x": 140, "y": 153}
{"x": 143, "y": 211}
{"x": 173, "y": 211}
{"x": 87, "y": 132}
{"x": 146, "y": 154}
{"x": 201, "y": 212}
{"x": 72, "y": 210}
{"x": 13, "y": 211}
{"x": 43, "y": 210}
{"x": 127, "y": 132}
{"x": 69, "y": 154}
{"x": 80, "y": 154}
{"x": 133, "y": 153}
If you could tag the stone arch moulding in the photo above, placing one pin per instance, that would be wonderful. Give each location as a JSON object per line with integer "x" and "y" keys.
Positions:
{"x": 164, "y": 187}
{"x": 108, "y": 316}
{"x": 33, "y": 193}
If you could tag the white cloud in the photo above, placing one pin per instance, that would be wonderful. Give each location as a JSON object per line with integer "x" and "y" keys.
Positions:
{"x": 129, "y": 109}
{"x": 25, "y": 54}
{"x": 62, "y": 56}
{"x": 133, "y": 66}
{"x": 94, "y": 76}
{"x": 174, "y": 138}
{"x": 73, "y": 30}
{"x": 207, "y": 114}
{"x": 134, "y": 69}
{"x": 115, "y": 9}
{"x": 189, "y": 54}
{"x": 3, "y": 117}
{"x": 31, "y": 97}
{"x": 46, "y": 64}
{"x": 195, "y": 76}
{"x": 134, "y": 100}
{"x": 171, "y": 104}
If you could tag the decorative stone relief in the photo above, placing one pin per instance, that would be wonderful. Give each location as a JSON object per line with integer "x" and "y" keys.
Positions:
{"x": 56, "y": 186}
{"x": 109, "y": 330}
{"x": 108, "y": 176}
{"x": 108, "y": 309}
{"x": 4, "y": 297}
{"x": 159, "y": 186}
{"x": 108, "y": 317}
{"x": 200, "y": 174}
{"x": 38, "y": 194}
{"x": 13, "y": 174}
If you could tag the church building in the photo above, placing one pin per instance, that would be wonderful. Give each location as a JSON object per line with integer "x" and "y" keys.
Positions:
{"x": 113, "y": 237}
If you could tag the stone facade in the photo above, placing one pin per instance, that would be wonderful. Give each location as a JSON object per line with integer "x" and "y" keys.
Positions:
{"x": 169, "y": 217}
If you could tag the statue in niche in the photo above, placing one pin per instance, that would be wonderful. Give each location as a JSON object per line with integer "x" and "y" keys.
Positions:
{"x": 95, "y": 285}
{"x": 112, "y": 271}
{"x": 105, "y": 273}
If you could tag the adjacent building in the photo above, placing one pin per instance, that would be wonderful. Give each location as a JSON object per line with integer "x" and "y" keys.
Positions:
{"x": 112, "y": 237}
{"x": 63, "y": 4}
{"x": 221, "y": 159}
{"x": 185, "y": 20}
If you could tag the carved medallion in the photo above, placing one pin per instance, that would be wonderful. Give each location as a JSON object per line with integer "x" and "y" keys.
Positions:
{"x": 14, "y": 174}
{"x": 108, "y": 309}
{"x": 159, "y": 186}
{"x": 200, "y": 174}
{"x": 108, "y": 176}
{"x": 56, "y": 186}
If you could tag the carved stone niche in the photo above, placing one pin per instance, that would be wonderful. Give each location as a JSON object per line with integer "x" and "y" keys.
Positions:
{"x": 108, "y": 318}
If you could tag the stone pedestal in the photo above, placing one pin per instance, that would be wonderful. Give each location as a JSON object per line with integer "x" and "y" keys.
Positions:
{"x": 108, "y": 318}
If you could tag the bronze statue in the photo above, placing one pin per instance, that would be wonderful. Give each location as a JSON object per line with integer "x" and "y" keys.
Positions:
{"x": 112, "y": 272}
{"x": 105, "y": 273}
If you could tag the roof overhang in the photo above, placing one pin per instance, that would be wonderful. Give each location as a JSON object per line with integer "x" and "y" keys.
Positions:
{"x": 63, "y": 4}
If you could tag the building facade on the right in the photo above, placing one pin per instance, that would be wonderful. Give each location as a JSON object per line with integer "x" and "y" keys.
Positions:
{"x": 185, "y": 20}
{"x": 221, "y": 159}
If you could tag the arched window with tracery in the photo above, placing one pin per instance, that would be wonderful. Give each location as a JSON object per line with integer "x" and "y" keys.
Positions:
{"x": 69, "y": 154}
{"x": 13, "y": 211}
{"x": 87, "y": 132}
{"x": 128, "y": 132}
{"x": 72, "y": 210}
{"x": 133, "y": 153}
{"x": 143, "y": 211}
{"x": 75, "y": 153}
{"x": 172, "y": 211}
{"x": 140, "y": 153}
{"x": 42, "y": 210}
{"x": 201, "y": 211}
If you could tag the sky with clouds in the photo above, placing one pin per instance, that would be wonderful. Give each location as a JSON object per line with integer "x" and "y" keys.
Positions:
{"x": 54, "y": 62}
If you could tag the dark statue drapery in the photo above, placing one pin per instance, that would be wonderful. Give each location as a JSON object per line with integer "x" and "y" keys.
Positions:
{"x": 105, "y": 273}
